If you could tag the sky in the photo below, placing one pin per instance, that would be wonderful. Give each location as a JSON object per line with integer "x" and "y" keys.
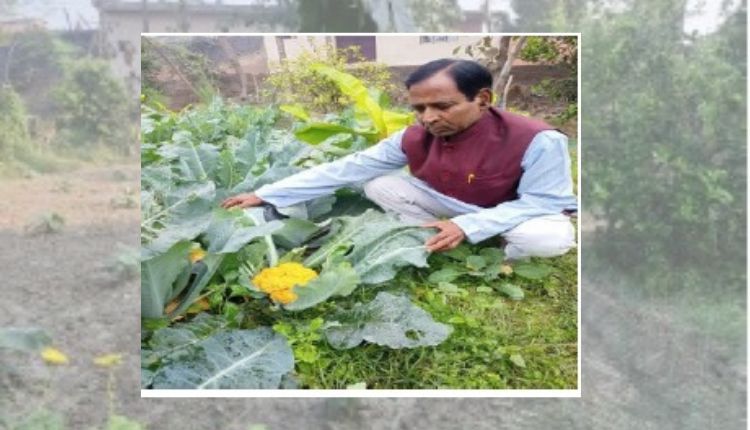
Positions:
{"x": 705, "y": 16}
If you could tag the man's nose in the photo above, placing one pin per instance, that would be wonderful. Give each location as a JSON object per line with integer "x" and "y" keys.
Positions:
{"x": 429, "y": 116}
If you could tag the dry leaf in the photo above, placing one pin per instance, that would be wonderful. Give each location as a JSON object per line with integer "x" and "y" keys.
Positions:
{"x": 53, "y": 356}
{"x": 108, "y": 360}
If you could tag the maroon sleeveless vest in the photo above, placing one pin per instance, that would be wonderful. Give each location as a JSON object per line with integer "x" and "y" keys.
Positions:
{"x": 480, "y": 165}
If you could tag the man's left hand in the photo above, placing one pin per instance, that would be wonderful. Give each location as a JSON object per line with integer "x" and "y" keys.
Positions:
{"x": 450, "y": 236}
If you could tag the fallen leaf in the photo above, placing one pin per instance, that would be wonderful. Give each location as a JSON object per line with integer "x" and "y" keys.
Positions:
{"x": 171, "y": 306}
{"x": 53, "y": 356}
{"x": 199, "y": 306}
{"x": 518, "y": 360}
{"x": 108, "y": 360}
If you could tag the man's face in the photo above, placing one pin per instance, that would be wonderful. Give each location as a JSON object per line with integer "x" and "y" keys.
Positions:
{"x": 442, "y": 109}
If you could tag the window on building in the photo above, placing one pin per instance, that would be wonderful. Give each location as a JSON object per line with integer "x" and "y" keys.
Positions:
{"x": 437, "y": 39}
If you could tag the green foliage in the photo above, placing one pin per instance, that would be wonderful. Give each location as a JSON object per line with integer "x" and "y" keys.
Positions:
{"x": 339, "y": 280}
{"x": 38, "y": 61}
{"x": 365, "y": 122}
{"x": 193, "y": 160}
{"x": 388, "y": 320}
{"x": 488, "y": 329}
{"x": 195, "y": 66}
{"x": 14, "y": 134}
{"x": 41, "y": 419}
{"x": 435, "y": 16}
{"x": 349, "y": 15}
{"x": 675, "y": 143}
{"x": 125, "y": 264}
{"x": 91, "y": 108}
{"x": 248, "y": 359}
{"x": 23, "y": 339}
{"x": 304, "y": 338}
{"x": 562, "y": 51}
{"x": 119, "y": 422}
{"x": 295, "y": 82}
{"x": 46, "y": 223}
{"x": 550, "y": 49}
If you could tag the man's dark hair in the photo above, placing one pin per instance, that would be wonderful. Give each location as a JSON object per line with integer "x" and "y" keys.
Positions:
{"x": 469, "y": 76}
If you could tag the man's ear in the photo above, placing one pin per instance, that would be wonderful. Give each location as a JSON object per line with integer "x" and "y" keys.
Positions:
{"x": 484, "y": 97}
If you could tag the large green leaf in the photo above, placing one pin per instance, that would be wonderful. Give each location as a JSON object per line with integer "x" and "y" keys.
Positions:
{"x": 23, "y": 339}
{"x": 357, "y": 91}
{"x": 186, "y": 215}
{"x": 297, "y": 111}
{"x": 172, "y": 343}
{"x": 157, "y": 179}
{"x": 157, "y": 277}
{"x": 340, "y": 280}
{"x": 379, "y": 260}
{"x": 193, "y": 163}
{"x": 236, "y": 359}
{"x": 229, "y": 231}
{"x": 513, "y": 291}
{"x": 532, "y": 271}
{"x": 316, "y": 132}
{"x": 389, "y": 320}
{"x": 349, "y": 203}
{"x": 295, "y": 232}
{"x": 446, "y": 274}
{"x": 396, "y": 121}
{"x": 343, "y": 232}
{"x": 379, "y": 245}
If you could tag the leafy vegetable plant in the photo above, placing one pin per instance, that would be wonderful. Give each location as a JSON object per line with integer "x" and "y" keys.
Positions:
{"x": 240, "y": 298}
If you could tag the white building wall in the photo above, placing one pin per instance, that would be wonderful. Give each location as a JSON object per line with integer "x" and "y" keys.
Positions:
{"x": 398, "y": 50}
{"x": 392, "y": 50}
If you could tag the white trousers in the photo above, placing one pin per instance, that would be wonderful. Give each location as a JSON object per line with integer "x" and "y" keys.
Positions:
{"x": 544, "y": 236}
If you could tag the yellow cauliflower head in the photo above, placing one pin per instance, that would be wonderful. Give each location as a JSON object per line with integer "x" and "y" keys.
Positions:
{"x": 278, "y": 281}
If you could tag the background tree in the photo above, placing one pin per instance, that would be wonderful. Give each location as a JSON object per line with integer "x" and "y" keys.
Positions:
{"x": 330, "y": 16}
{"x": 14, "y": 135}
{"x": 294, "y": 82}
{"x": 685, "y": 138}
{"x": 34, "y": 64}
{"x": 91, "y": 108}
{"x": 435, "y": 15}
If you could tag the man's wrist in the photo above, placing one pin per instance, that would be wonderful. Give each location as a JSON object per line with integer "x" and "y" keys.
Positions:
{"x": 464, "y": 225}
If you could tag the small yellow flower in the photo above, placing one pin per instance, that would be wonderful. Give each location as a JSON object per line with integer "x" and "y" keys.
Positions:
{"x": 506, "y": 269}
{"x": 108, "y": 360}
{"x": 53, "y": 356}
{"x": 196, "y": 253}
{"x": 278, "y": 281}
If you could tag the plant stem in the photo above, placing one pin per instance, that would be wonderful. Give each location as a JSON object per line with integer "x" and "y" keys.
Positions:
{"x": 273, "y": 254}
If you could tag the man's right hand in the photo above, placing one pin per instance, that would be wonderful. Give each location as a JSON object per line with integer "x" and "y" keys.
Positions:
{"x": 245, "y": 200}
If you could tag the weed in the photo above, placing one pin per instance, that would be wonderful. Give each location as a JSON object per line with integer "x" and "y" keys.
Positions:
{"x": 44, "y": 224}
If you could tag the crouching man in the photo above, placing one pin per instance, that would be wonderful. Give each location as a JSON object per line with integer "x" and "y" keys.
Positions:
{"x": 475, "y": 171}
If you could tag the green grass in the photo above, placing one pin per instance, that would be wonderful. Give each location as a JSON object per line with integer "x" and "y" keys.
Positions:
{"x": 497, "y": 343}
